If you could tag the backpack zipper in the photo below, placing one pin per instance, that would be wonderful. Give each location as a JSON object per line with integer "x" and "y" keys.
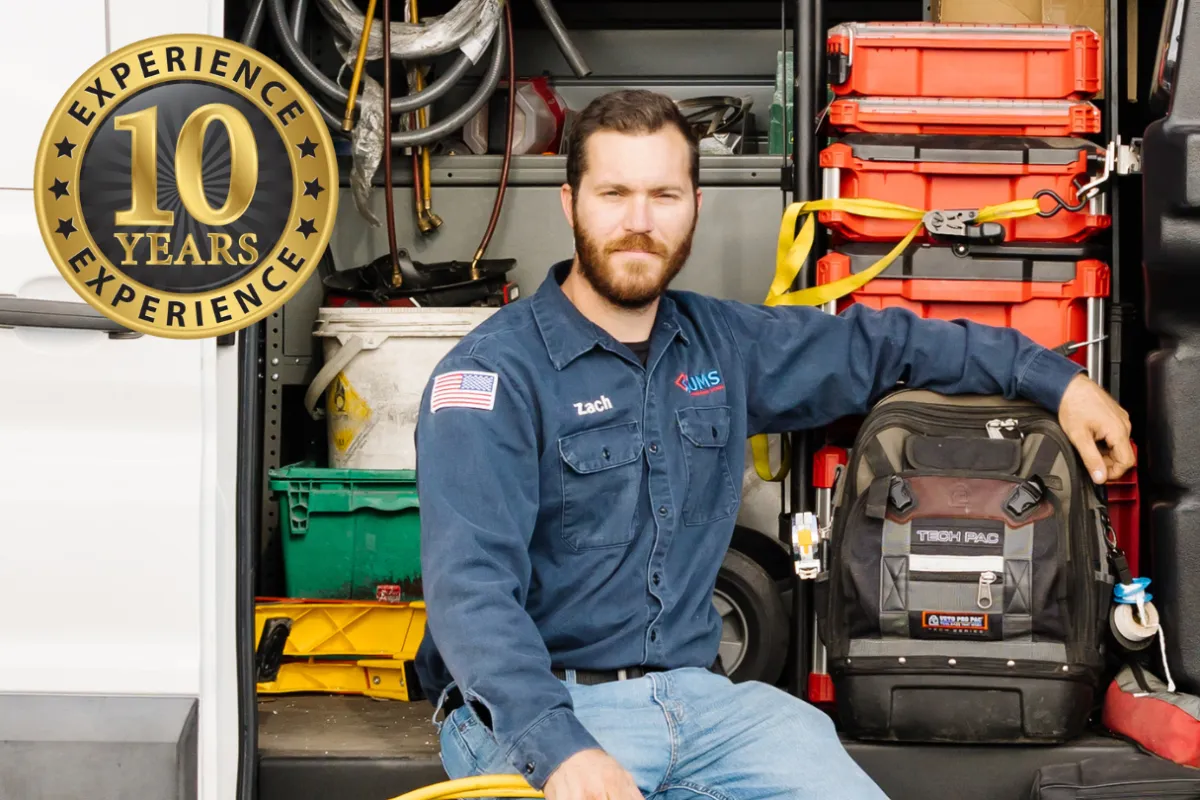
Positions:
{"x": 983, "y": 598}
{"x": 996, "y": 427}
{"x": 954, "y": 569}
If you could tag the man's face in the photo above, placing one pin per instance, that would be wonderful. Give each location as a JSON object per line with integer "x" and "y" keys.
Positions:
{"x": 634, "y": 214}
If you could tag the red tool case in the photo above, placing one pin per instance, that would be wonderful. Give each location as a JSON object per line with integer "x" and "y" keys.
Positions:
{"x": 1124, "y": 514}
{"x": 956, "y": 116}
{"x": 930, "y": 172}
{"x": 1044, "y": 292}
{"x": 929, "y": 59}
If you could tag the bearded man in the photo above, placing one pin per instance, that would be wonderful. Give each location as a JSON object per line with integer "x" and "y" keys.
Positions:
{"x": 578, "y": 462}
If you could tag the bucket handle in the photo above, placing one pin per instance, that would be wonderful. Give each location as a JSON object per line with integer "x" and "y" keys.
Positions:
{"x": 352, "y": 347}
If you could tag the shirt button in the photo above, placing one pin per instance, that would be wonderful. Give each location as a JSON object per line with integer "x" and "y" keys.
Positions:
{"x": 653, "y": 635}
{"x": 662, "y": 511}
{"x": 529, "y": 767}
{"x": 654, "y": 447}
{"x": 656, "y": 578}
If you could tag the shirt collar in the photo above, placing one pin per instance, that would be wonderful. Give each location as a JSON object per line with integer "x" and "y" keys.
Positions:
{"x": 568, "y": 334}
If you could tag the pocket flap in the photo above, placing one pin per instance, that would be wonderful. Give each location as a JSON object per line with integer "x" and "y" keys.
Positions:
{"x": 975, "y": 454}
{"x": 601, "y": 448}
{"x": 705, "y": 427}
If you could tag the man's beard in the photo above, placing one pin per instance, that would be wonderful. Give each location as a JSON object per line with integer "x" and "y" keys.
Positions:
{"x": 637, "y": 285}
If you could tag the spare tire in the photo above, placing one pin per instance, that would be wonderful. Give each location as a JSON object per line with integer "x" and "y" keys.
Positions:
{"x": 754, "y": 637}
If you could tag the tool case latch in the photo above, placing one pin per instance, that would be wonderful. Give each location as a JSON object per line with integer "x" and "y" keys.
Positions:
{"x": 837, "y": 68}
{"x": 959, "y": 226}
{"x": 1129, "y": 157}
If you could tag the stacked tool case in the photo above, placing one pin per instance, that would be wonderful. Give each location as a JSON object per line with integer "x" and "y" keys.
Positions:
{"x": 950, "y": 119}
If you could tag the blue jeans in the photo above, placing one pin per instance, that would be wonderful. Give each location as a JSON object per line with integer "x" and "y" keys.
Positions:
{"x": 688, "y": 734}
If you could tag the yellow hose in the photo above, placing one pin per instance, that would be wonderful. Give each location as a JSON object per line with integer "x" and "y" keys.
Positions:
{"x": 480, "y": 786}
{"x": 368, "y": 21}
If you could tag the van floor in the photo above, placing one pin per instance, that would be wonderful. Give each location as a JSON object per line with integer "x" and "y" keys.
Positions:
{"x": 352, "y": 748}
{"x": 298, "y": 725}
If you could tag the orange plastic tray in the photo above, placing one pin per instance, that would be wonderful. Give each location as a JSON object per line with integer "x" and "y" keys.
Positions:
{"x": 957, "y": 116}
{"x": 1044, "y": 297}
{"x": 962, "y": 172}
{"x": 929, "y": 59}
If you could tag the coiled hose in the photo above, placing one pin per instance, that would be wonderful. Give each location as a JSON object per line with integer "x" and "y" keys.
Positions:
{"x": 327, "y": 86}
{"x": 479, "y": 786}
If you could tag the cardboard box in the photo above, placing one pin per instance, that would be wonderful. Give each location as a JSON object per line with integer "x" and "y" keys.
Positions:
{"x": 1088, "y": 13}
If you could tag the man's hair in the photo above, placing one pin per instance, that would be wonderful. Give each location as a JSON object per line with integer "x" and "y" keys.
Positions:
{"x": 635, "y": 111}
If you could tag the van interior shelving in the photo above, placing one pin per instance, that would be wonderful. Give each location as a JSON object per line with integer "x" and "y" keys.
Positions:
{"x": 319, "y": 746}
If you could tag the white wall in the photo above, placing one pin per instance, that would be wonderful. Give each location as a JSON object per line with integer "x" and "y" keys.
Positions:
{"x": 116, "y": 535}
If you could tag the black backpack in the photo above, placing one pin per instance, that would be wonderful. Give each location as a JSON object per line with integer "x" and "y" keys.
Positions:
{"x": 967, "y": 588}
{"x": 1116, "y": 776}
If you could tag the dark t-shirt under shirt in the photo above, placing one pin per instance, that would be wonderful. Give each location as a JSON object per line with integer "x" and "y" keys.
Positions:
{"x": 640, "y": 349}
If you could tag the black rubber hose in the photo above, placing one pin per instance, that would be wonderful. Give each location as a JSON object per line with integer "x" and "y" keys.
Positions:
{"x": 250, "y": 37}
{"x": 299, "y": 11}
{"x": 454, "y": 121}
{"x": 331, "y": 89}
{"x": 247, "y": 504}
{"x": 254, "y": 23}
{"x": 562, "y": 38}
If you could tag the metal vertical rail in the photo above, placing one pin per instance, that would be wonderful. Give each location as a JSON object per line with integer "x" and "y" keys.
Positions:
{"x": 1114, "y": 86}
{"x": 806, "y": 55}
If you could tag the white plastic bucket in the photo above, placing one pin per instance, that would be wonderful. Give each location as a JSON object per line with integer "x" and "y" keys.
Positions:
{"x": 377, "y": 364}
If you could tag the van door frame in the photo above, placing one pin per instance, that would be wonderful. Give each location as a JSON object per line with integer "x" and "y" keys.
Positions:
{"x": 249, "y": 494}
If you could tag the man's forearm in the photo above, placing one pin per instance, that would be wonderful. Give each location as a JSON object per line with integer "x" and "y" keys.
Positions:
{"x": 805, "y": 368}
{"x": 500, "y": 665}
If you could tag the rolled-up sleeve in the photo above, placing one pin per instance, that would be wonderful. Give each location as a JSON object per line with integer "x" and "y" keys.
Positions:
{"x": 477, "y": 480}
{"x": 805, "y": 368}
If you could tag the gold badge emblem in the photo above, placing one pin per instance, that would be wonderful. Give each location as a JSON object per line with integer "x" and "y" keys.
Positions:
{"x": 186, "y": 186}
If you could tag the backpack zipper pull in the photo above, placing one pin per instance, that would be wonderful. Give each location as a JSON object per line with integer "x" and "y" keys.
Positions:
{"x": 996, "y": 428}
{"x": 983, "y": 597}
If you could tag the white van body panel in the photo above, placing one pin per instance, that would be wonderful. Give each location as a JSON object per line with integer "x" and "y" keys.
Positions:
{"x": 117, "y": 483}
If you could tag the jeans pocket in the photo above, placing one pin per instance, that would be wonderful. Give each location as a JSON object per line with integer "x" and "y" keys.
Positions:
{"x": 468, "y": 747}
{"x": 601, "y": 482}
{"x": 710, "y": 494}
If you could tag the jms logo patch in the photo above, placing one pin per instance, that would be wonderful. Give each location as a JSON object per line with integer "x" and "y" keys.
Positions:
{"x": 951, "y": 621}
{"x": 702, "y": 383}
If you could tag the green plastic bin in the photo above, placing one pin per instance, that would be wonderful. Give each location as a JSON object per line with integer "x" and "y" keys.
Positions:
{"x": 346, "y": 531}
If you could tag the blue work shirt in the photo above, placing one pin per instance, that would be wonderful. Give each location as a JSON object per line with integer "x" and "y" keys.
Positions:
{"x": 576, "y": 505}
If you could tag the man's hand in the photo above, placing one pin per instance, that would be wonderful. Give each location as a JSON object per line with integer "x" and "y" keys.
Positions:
{"x": 1088, "y": 415}
{"x": 591, "y": 775}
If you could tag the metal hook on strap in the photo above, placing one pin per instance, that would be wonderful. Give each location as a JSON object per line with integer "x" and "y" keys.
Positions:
{"x": 1084, "y": 193}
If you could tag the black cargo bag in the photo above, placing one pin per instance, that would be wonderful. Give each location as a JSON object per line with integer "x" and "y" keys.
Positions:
{"x": 966, "y": 592}
{"x": 1128, "y": 776}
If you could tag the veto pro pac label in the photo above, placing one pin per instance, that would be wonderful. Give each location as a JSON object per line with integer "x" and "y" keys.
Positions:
{"x": 954, "y": 625}
{"x": 953, "y": 621}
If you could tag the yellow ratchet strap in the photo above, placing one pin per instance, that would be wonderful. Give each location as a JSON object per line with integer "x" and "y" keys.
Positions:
{"x": 792, "y": 251}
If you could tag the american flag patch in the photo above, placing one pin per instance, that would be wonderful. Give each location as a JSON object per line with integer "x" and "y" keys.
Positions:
{"x": 464, "y": 389}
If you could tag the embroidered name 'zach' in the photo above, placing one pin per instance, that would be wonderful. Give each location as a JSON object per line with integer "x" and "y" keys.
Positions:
{"x": 594, "y": 407}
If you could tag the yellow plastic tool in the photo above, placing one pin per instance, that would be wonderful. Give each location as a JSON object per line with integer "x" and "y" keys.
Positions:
{"x": 347, "y": 629}
{"x": 382, "y": 679}
{"x": 792, "y": 251}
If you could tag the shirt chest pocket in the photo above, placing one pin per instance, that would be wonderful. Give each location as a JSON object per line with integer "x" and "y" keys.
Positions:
{"x": 601, "y": 482}
{"x": 711, "y": 493}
